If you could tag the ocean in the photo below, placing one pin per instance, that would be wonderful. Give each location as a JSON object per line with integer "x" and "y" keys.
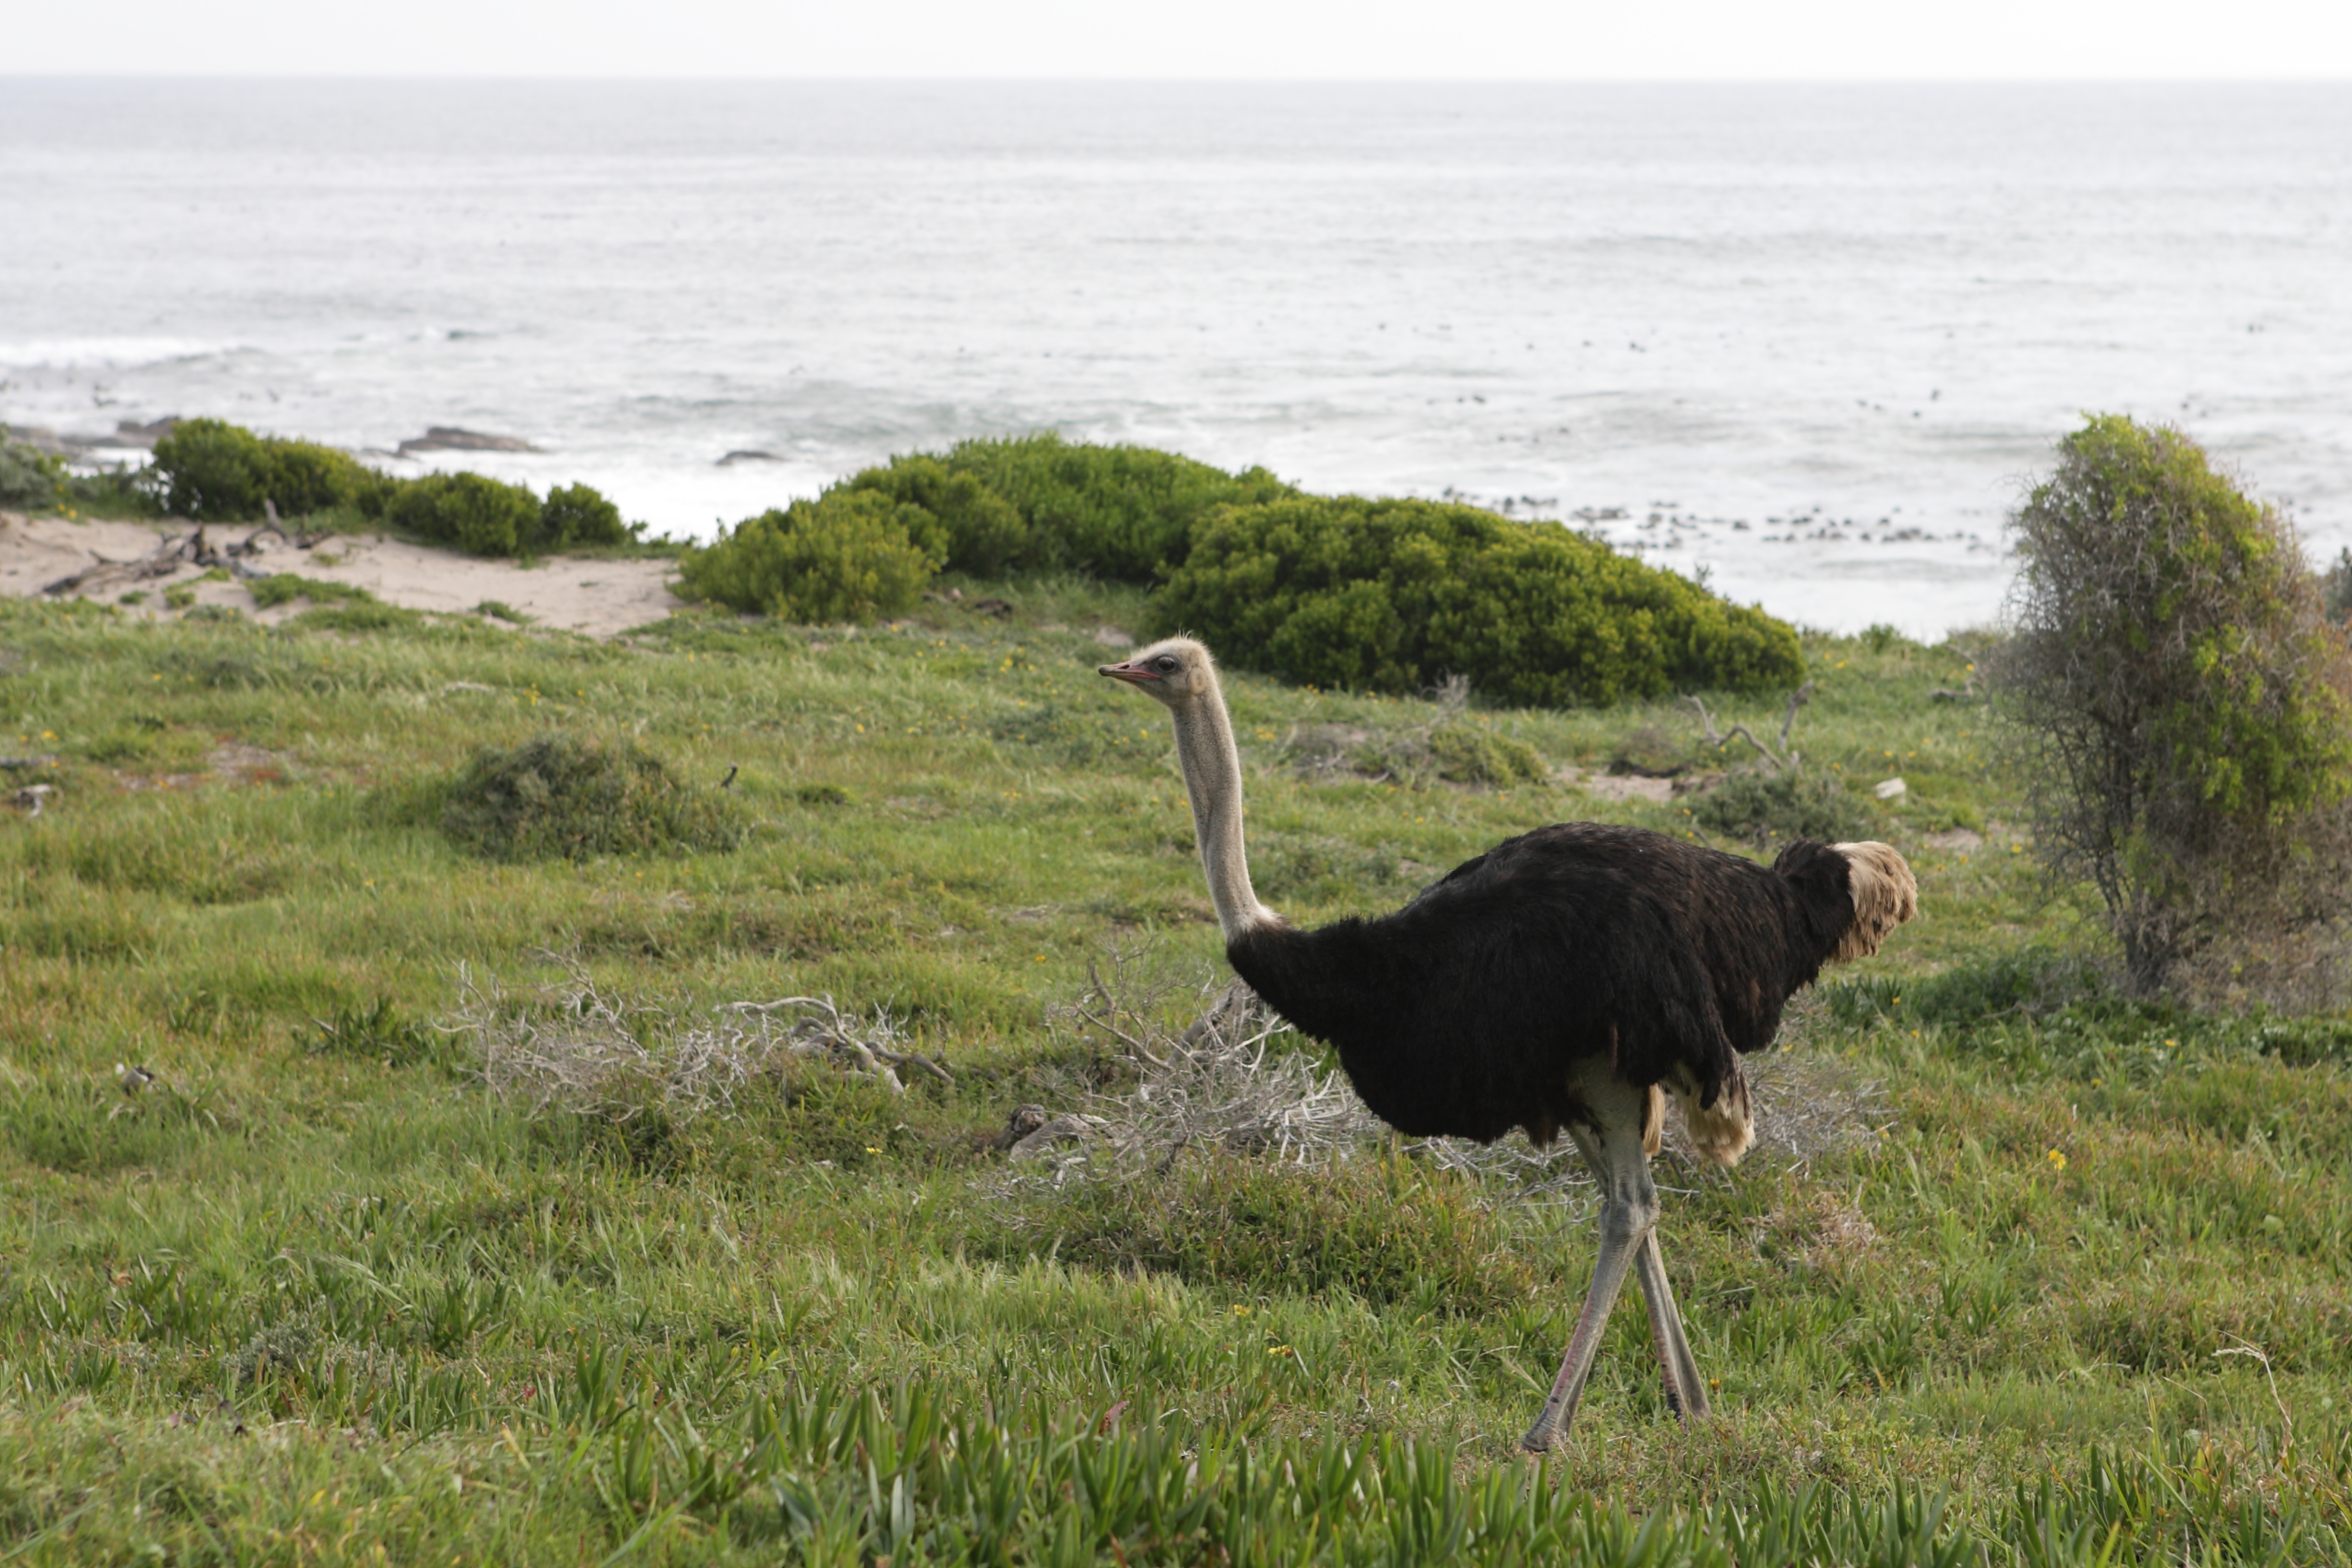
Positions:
{"x": 1810, "y": 344}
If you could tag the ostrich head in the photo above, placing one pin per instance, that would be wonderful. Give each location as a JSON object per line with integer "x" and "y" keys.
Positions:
{"x": 1884, "y": 895}
{"x": 1177, "y": 672}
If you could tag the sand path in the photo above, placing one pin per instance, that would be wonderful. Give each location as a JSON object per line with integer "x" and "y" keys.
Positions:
{"x": 599, "y": 598}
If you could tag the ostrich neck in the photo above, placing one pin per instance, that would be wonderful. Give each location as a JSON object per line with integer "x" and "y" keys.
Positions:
{"x": 1212, "y": 778}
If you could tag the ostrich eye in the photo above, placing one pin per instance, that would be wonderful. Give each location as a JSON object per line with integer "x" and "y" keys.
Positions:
{"x": 1167, "y": 666}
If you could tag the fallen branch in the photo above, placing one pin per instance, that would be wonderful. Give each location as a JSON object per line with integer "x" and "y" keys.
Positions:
{"x": 1797, "y": 699}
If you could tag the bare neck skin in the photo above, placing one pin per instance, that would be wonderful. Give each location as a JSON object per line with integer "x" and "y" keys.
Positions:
{"x": 1212, "y": 778}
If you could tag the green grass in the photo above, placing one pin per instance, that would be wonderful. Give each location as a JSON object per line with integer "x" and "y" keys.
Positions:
{"x": 315, "y": 1296}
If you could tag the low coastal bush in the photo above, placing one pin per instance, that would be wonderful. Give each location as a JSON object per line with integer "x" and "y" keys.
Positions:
{"x": 479, "y": 515}
{"x": 1762, "y": 807}
{"x": 1392, "y": 596}
{"x": 483, "y": 515}
{"x": 29, "y": 478}
{"x": 849, "y": 555}
{"x": 217, "y": 472}
{"x": 576, "y": 515}
{"x": 1039, "y": 503}
{"x": 562, "y": 797}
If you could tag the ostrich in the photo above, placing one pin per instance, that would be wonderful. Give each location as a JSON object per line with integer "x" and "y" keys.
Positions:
{"x": 1559, "y": 982}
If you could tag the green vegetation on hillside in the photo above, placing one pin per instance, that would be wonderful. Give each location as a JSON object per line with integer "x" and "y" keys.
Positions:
{"x": 1366, "y": 595}
{"x": 213, "y": 471}
{"x": 303, "y": 1289}
{"x": 1393, "y": 596}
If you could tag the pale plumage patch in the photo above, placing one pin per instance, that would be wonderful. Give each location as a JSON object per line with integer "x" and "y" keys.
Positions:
{"x": 1720, "y": 1132}
{"x": 1884, "y": 895}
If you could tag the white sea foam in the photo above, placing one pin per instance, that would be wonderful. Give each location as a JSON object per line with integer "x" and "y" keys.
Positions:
{"x": 1851, "y": 319}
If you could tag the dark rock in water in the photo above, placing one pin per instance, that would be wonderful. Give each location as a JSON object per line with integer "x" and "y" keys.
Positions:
{"x": 131, "y": 433}
{"x": 449, "y": 438}
{"x": 748, "y": 457}
{"x": 48, "y": 440}
{"x": 128, "y": 435}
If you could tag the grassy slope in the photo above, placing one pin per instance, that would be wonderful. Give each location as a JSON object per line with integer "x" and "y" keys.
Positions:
{"x": 449, "y": 1330}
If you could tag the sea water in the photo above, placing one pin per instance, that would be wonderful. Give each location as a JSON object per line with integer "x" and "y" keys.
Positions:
{"x": 1809, "y": 343}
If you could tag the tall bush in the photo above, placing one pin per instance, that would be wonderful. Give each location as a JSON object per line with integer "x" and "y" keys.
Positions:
{"x": 850, "y": 555}
{"x": 2179, "y": 699}
{"x": 1392, "y": 596}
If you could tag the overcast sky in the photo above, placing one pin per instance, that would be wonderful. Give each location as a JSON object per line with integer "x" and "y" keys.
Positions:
{"x": 1359, "y": 39}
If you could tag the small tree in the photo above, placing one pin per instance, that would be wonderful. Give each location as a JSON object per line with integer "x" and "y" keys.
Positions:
{"x": 2179, "y": 700}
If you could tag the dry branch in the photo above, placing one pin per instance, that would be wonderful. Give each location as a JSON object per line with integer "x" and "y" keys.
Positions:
{"x": 1797, "y": 699}
{"x": 576, "y": 1046}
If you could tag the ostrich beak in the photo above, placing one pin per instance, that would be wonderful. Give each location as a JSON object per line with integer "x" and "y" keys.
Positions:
{"x": 1130, "y": 671}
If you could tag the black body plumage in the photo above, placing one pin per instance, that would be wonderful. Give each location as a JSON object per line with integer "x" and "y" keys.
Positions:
{"x": 1460, "y": 1013}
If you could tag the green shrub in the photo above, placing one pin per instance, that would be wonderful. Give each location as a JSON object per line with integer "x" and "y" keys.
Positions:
{"x": 29, "y": 478}
{"x": 1033, "y": 502}
{"x": 966, "y": 525}
{"x": 560, "y": 796}
{"x": 1470, "y": 753}
{"x": 479, "y": 515}
{"x": 217, "y": 472}
{"x": 577, "y": 514}
{"x": 212, "y": 470}
{"x": 1761, "y": 806}
{"x": 1388, "y": 596}
{"x": 2181, "y": 708}
{"x": 850, "y": 555}
{"x": 303, "y": 477}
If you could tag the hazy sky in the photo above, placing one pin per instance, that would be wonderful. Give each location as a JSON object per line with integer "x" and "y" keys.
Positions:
{"x": 1508, "y": 40}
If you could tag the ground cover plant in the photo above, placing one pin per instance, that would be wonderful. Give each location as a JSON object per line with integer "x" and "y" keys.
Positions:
{"x": 2055, "y": 1275}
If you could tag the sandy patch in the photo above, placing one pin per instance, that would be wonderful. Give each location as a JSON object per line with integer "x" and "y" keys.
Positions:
{"x": 599, "y": 598}
{"x": 1630, "y": 788}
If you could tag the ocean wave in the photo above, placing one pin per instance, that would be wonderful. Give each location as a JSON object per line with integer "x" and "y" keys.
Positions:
{"x": 107, "y": 352}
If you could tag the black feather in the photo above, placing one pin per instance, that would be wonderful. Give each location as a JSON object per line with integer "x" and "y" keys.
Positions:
{"x": 1462, "y": 1013}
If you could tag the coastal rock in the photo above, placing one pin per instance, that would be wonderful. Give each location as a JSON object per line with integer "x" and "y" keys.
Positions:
{"x": 748, "y": 456}
{"x": 131, "y": 433}
{"x": 449, "y": 438}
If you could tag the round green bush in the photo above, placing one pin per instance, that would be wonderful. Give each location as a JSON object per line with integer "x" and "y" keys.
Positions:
{"x": 965, "y": 524}
{"x": 479, "y": 515}
{"x": 1762, "y": 805}
{"x": 212, "y": 470}
{"x": 849, "y": 555}
{"x": 1392, "y": 596}
{"x": 29, "y": 478}
{"x": 561, "y": 796}
{"x": 303, "y": 477}
{"x": 1038, "y": 502}
{"x": 217, "y": 472}
{"x": 579, "y": 514}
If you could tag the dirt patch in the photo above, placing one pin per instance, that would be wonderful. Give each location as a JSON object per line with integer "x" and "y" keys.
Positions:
{"x": 241, "y": 764}
{"x": 598, "y": 598}
{"x": 1631, "y": 787}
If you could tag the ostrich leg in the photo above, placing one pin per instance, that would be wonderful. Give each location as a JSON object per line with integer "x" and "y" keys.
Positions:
{"x": 1611, "y": 1145}
{"x": 1684, "y": 1390}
